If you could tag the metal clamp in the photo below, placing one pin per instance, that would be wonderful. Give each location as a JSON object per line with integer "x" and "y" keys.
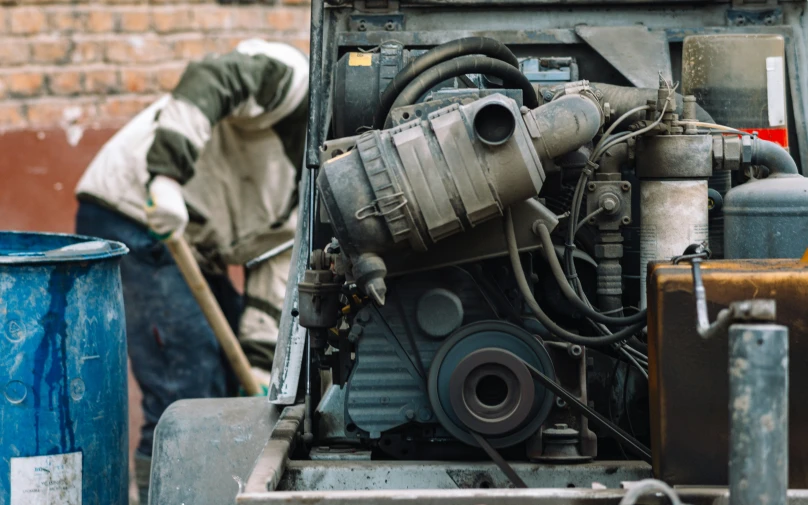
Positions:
{"x": 375, "y": 208}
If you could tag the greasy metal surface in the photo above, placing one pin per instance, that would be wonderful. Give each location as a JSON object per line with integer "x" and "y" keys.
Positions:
{"x": 592, "y": 415}
{"x": 689, "y": 384}
{"x": 673, "y": 215}
{"x": 694, "y": 496}
{"x": 555, "y": 25}
{"x": 639, "y": 54}
{"x": 271, "y": 463}
{"x": 726, "y": 74}
{"x": 507, "y": 406}
{"x": 387, "y": 387}
{"x": 467, "y": 247}
{"x": 62, "y": 370}
{"x": 205, "y": 449}
{"x": 758, "y": 405}
{"x": 292, "y": 336}
{"x": 504, "y": 338}
{"x": 675, "y": 157}
{"x": 767, "y": 218}
{"x": 401, "y": 475}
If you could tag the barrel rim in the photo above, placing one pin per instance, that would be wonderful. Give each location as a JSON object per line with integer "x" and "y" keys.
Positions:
{"x": 116, "y": 249}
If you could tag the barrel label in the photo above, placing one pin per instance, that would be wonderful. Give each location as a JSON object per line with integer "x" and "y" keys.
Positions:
{"x": 46, "y": 480}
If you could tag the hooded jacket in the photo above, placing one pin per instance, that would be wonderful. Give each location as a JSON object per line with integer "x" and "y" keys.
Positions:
{"x": 233, "y": 133}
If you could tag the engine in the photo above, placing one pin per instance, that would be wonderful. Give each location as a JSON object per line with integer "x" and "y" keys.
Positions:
{"x": 484, "y": 226}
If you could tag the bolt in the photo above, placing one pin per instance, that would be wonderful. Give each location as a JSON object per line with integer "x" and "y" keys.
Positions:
{"x": 389, "y": 26}
{"x": 626, "y": 220}
{"x": 560, "y": 403}
{"x": 591, "y": 186}
{"x": 424, "y": 414}
{"x": 363, "y": 317}
{"x": 609, "y": 202}
{"x": 625, "y": 186}
{"x": 409, "y": 414}
{"x": 575, "y": 351}
{"x": 560, "y": 426}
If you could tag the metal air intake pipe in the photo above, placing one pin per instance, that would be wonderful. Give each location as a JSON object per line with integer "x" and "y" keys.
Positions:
{"x": 415, "y": 184}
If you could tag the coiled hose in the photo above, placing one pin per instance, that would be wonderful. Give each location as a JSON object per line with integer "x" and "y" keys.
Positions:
{"x": 444, "y": 52}
{"x": 512, "y": 78}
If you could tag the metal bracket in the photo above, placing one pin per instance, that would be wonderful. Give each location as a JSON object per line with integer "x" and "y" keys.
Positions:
{"x": 382, "y": 206}
{"x": 768, "y": 17}
{"x": 614, "y": 197}
{"x": 376, "y": 23}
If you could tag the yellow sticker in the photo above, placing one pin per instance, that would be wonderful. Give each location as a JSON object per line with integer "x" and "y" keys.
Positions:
{"x": 359, "y": 59}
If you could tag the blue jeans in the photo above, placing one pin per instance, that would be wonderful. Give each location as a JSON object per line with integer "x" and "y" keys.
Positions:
{"x": 173, "y": 351}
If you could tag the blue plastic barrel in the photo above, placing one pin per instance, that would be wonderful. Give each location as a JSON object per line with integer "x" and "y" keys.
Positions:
{"x": 63, "y": 398}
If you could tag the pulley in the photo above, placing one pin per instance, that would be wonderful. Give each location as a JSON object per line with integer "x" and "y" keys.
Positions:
{"x": 478, "y": 383}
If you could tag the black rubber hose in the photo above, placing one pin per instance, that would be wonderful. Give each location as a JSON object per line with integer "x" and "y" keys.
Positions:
{"x": 511, "y": 77}
{"x": 572, "y": 296}
{"x": 438, "y": 54}
{"x": 552, "y": 327}
{"x": 621, "y": 99}
{"x": 774, "y": 157}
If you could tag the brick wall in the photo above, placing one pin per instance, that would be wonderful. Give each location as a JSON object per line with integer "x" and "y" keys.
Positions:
{"x": 98, "y": 62}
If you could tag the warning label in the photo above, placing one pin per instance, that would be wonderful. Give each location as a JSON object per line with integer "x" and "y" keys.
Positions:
{"x": 46, "y": 480}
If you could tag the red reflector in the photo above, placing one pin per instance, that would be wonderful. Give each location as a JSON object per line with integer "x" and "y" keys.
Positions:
{"x": 778, "y": 135}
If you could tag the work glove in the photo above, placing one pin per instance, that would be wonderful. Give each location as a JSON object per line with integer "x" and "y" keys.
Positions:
{"x": 166, "y": 213}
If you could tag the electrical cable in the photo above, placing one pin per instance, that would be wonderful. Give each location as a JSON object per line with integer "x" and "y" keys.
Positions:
{"x": 636, "y": 352}
{"x": 713, "y": 126}
{"x": 634, "y": 362}
{"x": 605, "y": 143}
{"x": 647, "y": 486}
{"x": 552, "y": 327}
{"x": 571, "y": 295}
{"x": 586, "y": 218}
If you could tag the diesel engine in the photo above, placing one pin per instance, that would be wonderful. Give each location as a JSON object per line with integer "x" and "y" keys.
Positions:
{"x": 480, "y": 239}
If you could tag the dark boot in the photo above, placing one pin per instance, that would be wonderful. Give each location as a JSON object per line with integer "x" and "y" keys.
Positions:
{"x": 142, "y": 476}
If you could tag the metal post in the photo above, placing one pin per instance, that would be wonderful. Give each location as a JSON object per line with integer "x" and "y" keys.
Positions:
{"x": 758, "y": 407}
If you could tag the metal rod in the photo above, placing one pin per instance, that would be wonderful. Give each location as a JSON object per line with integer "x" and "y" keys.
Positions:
{"x": 622, "y": 437}
{"x": 313, "y": 139}
{"x": 701, "y": 297}
{"x": 270, "y": 254}
{"x": 758, "y": 408}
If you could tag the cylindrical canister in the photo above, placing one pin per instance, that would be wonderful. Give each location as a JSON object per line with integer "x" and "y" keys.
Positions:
{"x": 758, "y": 408}
{"x": 767, "y": 218}
{"x": 673, "y": 215}
{"x": 63, "y": 402}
